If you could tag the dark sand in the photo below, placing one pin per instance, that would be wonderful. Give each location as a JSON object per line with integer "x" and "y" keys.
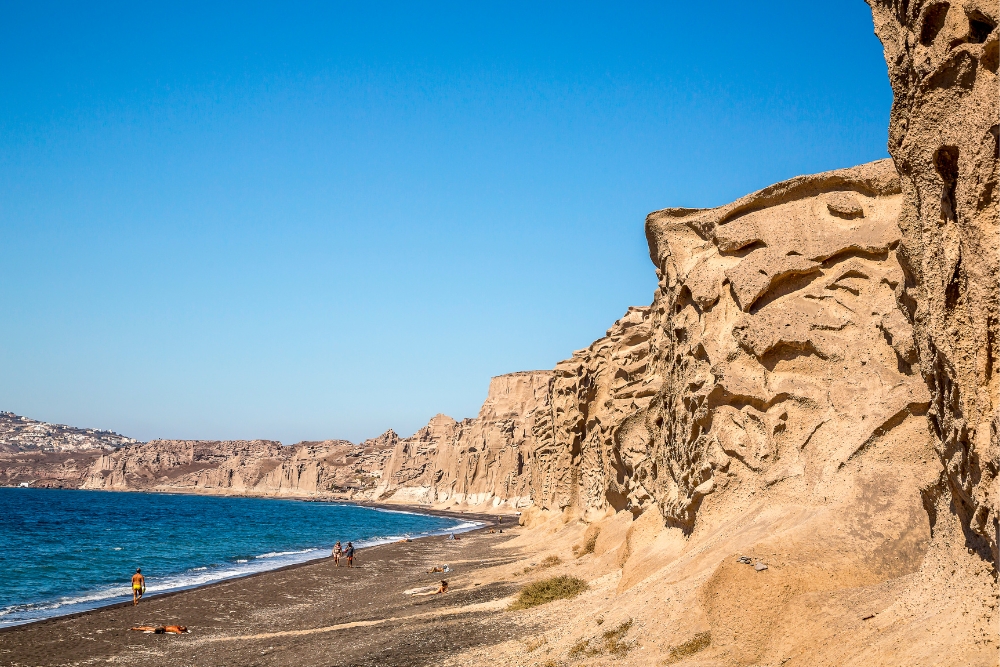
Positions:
{"x": 396, "y": 629}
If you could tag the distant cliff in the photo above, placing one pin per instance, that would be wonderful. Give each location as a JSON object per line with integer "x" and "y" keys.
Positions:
{"x": 245, "y": 467}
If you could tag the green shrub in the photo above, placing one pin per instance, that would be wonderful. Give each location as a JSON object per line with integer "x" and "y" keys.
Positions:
{"x": 547, "y": 590}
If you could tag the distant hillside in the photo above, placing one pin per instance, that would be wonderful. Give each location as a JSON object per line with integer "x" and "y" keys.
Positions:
{"x": 21, "y": 434}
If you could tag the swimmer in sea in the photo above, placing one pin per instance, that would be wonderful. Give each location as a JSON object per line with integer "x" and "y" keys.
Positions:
{"x": 138, "y": 586}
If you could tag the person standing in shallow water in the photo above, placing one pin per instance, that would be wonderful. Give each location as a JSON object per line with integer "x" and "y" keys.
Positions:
{"x": 337, "y": 550}
{"x": 138, "y": 586}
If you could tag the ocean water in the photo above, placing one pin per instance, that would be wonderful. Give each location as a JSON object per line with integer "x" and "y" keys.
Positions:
{"x": 67, "y": 551}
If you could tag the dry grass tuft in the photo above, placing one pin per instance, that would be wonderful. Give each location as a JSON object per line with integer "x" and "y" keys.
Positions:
{"x": 534, "y": 642}
{"x": 547, "y": 590}
{"x": 609, "y": 643}
{"x": 613, "y": 644}
{"x": 699, "y": 642}
{"x": 580, "y": 648}
{"x": 547, "y": 562}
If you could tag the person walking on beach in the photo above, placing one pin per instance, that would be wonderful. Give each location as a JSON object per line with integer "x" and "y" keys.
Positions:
{"x": 337, "y": 550}
{"x": 138, "y": 586}
{"x": 349, "y": 553}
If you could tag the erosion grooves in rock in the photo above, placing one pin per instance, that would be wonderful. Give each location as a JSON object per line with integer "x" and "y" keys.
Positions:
{"x": 943, "y": 131}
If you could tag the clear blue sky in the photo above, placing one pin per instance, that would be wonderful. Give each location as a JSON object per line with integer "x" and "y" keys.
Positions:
{"x": 320, "y": 221}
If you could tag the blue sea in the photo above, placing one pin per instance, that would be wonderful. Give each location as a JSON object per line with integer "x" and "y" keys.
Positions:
{"x": 68, "y": 551}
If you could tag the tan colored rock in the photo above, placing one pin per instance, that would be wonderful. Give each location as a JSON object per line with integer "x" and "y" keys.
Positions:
{"x": 246, "y": 467}
{"x": 489, "y": 459}
{"x": 47, "y": 469}
{"x": 943, "y": 136}
{"x": 775, "y": 349}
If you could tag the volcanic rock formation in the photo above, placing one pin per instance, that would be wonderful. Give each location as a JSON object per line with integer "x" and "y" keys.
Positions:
{"x": 943, "y": 136}
{"x": 246, "y": 467}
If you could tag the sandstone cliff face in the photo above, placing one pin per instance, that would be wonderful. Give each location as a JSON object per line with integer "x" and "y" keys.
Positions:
{"x": 254, "y": 467}
{"x": 46, "y": 469}
{"x": 491, "y": 458}
{"x": 943, "y": 136}
{"x": 777, "y": 346}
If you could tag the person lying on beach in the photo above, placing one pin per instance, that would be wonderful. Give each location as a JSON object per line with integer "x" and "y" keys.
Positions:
{"x": 428, "y": 590}
{"x": 337, "y": 550}
{"x": 160, "y": 629}
{"x": 138, "y": 586}
{"x": 439, "y": 568}
{"x": 349, "y": 552}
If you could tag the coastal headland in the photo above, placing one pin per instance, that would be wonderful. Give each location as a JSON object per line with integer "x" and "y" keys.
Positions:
{"x": 790, "y": 457}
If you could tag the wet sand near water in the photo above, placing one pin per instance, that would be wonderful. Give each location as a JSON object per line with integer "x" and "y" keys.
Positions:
{"x": 309, "y": 614}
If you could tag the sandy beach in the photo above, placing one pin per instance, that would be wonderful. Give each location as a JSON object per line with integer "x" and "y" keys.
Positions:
{"x": 309, "y": 614}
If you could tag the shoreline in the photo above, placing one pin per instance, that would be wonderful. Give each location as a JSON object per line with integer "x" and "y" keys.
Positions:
{"x": 317, "y": 498}
{"x": 483, "y": 521}
{"x": 303, "y": 615}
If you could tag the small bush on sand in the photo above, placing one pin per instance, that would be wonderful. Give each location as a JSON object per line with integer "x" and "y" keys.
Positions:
{"x": 547, "y": 590}
{"x": 699, "y": 642}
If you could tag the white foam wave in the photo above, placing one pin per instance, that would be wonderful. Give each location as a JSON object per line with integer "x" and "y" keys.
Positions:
{"x": 277, "y": 554}
{"x": 388, "y": 511}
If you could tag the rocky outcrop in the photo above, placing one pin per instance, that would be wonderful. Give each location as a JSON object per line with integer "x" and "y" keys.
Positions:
{"x": 49, "y": 470}
{"x": 246, "y": 467}
{"x": 943, "y": 137}
{"x": 777, "y": 346}
{"x": 492, "y": 458}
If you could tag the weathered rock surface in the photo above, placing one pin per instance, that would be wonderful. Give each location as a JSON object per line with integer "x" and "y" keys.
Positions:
{"x": 943, "y": 136}
{"x": 777, "y": 347}
{"x": 49, "y": 470}
{"x": 492, "y": 458}
{"x": 253, "y": 467}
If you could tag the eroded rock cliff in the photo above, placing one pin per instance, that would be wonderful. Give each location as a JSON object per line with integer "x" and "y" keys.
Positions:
{"x": 254, "y": 467}
{"x": 943, "y": 137}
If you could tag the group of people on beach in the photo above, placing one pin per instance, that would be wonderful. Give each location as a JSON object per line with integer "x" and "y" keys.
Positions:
{"x": 139, "y": 581}
{"x": 346, "y": 552}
